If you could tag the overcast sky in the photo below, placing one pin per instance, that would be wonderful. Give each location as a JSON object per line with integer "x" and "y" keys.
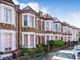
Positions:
{"x": 64, "y": 10}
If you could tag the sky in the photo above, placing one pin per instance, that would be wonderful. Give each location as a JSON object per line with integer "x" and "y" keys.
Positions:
{"x": 65, "y": 10}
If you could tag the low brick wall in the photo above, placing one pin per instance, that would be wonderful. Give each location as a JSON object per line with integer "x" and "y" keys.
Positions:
{"x": 22, "y": 58}
{"x": 28, "y": 57}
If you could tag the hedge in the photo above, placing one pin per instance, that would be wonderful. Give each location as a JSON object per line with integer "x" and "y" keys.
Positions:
{"x": 32, "y": 51}
{"x": 56, "y": 43}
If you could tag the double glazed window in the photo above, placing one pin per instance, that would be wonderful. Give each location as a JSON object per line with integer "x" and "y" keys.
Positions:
{"x": 26, "y": 40}
{"x": 25, "y": 20}
{"x": 31, "y": 40}
{"x": 65, "y": 55}
{"x": 7, "y": 15}
{"x": 47, "y": 25}
{"x": 56, "y": 37}
{"x": 8, "y": 41}
{"x": 56, "y": 27}
{"x": 32, "y": 21}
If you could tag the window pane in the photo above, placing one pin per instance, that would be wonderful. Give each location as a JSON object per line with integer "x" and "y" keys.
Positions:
{"x": 7, "y": 15}
{"x": 56, "y": 37}
{"x": 7, "y": 41}
{"x": 56, "y": 26}
{"x": 47, "y": 25}
{"x": 25, "y": 20}
{"x": 65, "y": 55}
{"x": 25, "y": 40}
{"x": 32, "y": 21}
{"x": 31, "y": 40}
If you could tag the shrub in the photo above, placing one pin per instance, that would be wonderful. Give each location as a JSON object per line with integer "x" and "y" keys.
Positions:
{"x": 27, "y": 51}
{"x": 56, "y": 43}
{"x": 40, "y": 49}
{"x": 32, "y": 51}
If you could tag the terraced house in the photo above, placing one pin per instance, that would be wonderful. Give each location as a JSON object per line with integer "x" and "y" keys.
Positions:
{"x": 26, "y": 28}
{"x": 70, "y": 33}
{"x": 7, "y": 28}
{"x": 38, "y": 28}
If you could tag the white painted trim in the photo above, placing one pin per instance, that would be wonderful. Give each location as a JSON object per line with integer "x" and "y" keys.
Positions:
{"x": 28, "y": 33}
{"x": 5, "y": 31}
{"x": 28, "y": 18}
{"x": 40, "y": 34}
{"x": 13, "y": 14}
{"x": 13, "y": 39}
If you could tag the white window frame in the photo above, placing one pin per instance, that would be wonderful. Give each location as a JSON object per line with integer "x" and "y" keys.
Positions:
{"x": 47, "y": 26}
{"x": 8, "y": 15}
{"x": 7, "y": 46}
{"x": 32, "y": 21}
{"x": 32, "y": 41}
{"x": 26, "y": 21}
{"x": 26, "y": 44}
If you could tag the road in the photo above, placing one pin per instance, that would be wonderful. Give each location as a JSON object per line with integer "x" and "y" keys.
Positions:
{"x": 44, "y": 57}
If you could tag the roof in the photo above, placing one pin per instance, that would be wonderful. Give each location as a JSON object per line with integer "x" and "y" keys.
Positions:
{"x": 28, "y": 8}
{"x": 56, "y": 20}
{"x": 9, "y": 1}
{"x": 39, "y": 14}
{"x": 47, "y": 17}
{"x": 64, "y": 24}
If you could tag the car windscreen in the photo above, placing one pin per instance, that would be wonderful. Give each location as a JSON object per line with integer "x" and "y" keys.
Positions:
{"x": 65, "y": 55}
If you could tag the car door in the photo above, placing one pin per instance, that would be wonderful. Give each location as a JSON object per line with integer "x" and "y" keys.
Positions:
{"x": 78, "y": 56}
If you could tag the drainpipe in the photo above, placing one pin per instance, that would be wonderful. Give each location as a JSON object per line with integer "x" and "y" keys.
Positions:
{"x": 18, "y": 30}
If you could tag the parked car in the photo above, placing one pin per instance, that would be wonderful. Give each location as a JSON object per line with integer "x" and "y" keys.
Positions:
{"x": 67, "y": 55}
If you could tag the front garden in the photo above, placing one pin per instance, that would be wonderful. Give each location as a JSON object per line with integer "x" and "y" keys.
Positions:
{"x": 27, "y": 53}
{"x": 53, "y": 45}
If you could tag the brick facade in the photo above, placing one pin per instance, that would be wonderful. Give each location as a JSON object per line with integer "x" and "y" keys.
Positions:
{"x": 29, "y": 28}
